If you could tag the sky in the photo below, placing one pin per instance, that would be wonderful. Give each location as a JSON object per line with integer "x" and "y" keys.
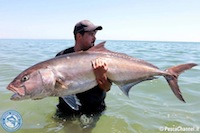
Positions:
{"x": 141, "y": 20}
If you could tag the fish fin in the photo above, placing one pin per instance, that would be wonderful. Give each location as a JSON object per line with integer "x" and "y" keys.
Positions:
{"x": 100, "y": 48}
{"x": 72, "y": 101}
{"x": 126, "y": 87}
{"x": 172, "y": 78}
{"x": 60, "y": 84}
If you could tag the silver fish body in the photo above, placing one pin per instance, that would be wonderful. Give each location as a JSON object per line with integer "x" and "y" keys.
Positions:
{"x": 73, "y": 73}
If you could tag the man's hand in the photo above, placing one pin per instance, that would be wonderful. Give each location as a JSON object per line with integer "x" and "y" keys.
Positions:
{"x": 100, "y": 68}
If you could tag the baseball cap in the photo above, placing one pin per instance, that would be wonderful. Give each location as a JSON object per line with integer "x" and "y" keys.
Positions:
{"x": 85, "y": 25}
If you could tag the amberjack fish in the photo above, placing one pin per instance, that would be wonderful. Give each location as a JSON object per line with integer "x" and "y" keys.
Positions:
{"x": 73, "y": 73}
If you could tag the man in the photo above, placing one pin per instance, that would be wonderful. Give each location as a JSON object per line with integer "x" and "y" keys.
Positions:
{"x": 92, "y": 101}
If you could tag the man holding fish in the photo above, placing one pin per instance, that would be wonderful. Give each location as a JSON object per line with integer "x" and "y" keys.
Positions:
{"x": 91, "y": 101}
{"x": 82, "y": 77}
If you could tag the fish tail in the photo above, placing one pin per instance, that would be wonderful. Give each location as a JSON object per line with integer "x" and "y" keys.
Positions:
{"x": 172, "y": 77}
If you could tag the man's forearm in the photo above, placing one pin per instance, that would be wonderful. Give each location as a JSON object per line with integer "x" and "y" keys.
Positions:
{"x": 104, "y": 83}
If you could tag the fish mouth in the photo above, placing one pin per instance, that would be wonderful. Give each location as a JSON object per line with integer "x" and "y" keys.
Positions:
{"x": 16, "y": 97}
{"x": 19, "y": 93}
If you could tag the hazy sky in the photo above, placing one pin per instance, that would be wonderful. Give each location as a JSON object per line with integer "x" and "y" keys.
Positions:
{"x": 156, "y": 20}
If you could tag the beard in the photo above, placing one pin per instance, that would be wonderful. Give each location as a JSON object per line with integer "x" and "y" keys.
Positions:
{"x": 90, "y": 45}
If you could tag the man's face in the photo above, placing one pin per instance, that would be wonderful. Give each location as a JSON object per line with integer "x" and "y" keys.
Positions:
{"x": 88, "y": 40}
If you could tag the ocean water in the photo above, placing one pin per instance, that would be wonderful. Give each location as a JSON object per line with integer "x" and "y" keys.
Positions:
{"x": 150, "y": 108}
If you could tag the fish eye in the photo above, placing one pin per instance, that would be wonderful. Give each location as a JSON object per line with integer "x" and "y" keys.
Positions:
{"x": 25, "y": 78}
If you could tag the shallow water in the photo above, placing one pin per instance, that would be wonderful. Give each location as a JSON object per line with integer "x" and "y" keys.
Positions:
{"x": 151, "y": 106}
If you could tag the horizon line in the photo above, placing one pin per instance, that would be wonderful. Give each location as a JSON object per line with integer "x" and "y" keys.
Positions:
{"x": 98, "y": 40}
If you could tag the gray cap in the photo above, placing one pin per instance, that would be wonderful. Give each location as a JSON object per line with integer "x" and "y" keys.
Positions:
{"x": 85, "y": 25}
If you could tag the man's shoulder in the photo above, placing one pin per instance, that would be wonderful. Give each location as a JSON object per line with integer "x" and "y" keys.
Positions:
{"x": 65, "y": 51}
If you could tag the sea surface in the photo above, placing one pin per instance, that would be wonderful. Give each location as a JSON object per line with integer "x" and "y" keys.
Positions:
{"x": 150, "y": 108}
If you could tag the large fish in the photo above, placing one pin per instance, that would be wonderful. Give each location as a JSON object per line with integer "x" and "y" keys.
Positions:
{"x": 73, "y": 73}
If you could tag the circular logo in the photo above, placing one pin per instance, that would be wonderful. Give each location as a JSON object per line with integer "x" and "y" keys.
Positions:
{"x": 11, "y": 120}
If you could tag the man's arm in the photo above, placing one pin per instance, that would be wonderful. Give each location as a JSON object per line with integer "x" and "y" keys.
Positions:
{"x": 100, "y": 69}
